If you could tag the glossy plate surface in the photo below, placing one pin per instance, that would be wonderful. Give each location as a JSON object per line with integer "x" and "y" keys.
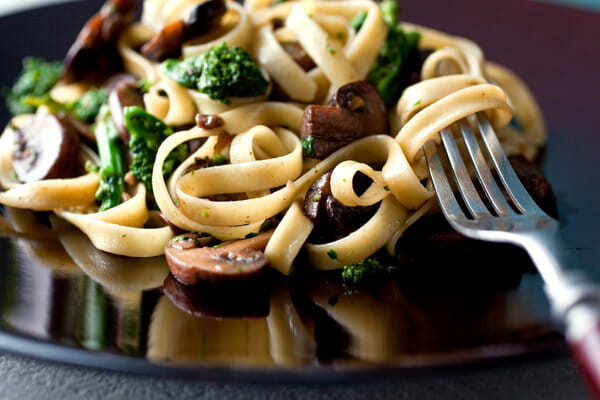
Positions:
{"x": 61, "y": 299}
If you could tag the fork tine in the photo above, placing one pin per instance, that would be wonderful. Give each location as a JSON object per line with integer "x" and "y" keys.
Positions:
{"x": 447, "y": 201}
{"x": 463, "y": 178}
{"x": 493, "y": 192}
{"x": 507, "y": 175}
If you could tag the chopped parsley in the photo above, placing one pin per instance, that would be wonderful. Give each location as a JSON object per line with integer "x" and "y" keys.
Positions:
{"x": 307, "y": 146}
{"x": 364, "y": 271}
{"x": 332, "y": 254}
{"x": 358, "y": 21}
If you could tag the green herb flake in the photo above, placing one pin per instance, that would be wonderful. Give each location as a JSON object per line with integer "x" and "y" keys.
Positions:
{"x": 219, "y": 159}
{"x": 144, "y": 85}
{"x": 364, "y": 271}
{"x": 316, "y": 197}
{"x": 307, "y": 146}
{"x": 332, "y": 254}
{"x": 204, "y": 214}
{"x": 358, "y": 21}
{"x": 330, "y": 50}
{"x": 416, "y": 103}
{"x": 124, "y": 235}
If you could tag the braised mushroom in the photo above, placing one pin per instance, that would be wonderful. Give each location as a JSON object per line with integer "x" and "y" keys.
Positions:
{"x": 124, "y": 93}
{"x": 228, "y": 262}
{"x": 355, "y": 111}
{"x": 332, "y": 219}
{"x": 45, "y": 147}
{"x": 299, "y": 55}
{"x": 167, "y": 44}
{"x": 93, "y": 57}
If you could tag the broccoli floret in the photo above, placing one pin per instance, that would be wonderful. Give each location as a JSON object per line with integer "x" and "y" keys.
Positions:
{"x": 147, "y": 133}
{"x": 390, "y": 10}
{"x": 220, "y": 73}
{"x": 112, "y": 163}
{"x": 392, "y": 69}
{"x": 358, "y": 21}
{"x": 86, "y": 108}
{"x": 36, "y": 79}
{"x": 364, "y": 271}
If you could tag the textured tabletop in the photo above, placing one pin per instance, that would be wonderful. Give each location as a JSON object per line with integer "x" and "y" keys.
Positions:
{"x": 550, "y": 377}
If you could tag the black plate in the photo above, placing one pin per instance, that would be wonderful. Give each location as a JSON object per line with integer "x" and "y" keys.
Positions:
{"x": 53, "y": 309}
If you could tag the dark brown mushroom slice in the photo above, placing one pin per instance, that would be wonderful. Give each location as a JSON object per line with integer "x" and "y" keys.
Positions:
{"x": 94, "y": 57}
{"x": 332, "y": 219}
{"x": 356, "y": 110}
{"x": 205, "y": 300}
{"x": 204, "y": 17}
{"x": 232, "y": 261}
{"x": 45, "y": 147}
{"x": 124, "y": 93}
{"x": 168, "y": 42}
{"x": 299, "y": 55}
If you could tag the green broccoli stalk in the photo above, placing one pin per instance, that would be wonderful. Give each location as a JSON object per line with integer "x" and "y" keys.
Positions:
{"x": 364, "y": 271}
{"x": 112, "y": 164}
{"x": 86, "y": 108}
{"x": 35, "y": 80}
{"x": 220, "y": 73}
{"x": 147, "y": 133}
{"x": 392, "y": 69}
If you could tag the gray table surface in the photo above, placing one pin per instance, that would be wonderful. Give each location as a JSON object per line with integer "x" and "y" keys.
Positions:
{"x": 550, "y": 377}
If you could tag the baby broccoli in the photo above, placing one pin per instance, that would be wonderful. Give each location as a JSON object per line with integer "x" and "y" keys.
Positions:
{"x": 112, "y": 165}
{"x": 392, "y": 69}
{"x": 35, "y": 80}
{"x": 147, "y": 133}
{"x": 86, "y": 108}
{"x": 364, "y": 271}
{"x": 220, "y": 73}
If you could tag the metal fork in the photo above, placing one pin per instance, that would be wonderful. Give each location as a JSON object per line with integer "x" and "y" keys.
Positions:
{"x": 575, "y": 300}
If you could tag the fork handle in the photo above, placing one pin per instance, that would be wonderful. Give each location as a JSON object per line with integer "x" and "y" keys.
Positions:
{"x": 583, "y": 334}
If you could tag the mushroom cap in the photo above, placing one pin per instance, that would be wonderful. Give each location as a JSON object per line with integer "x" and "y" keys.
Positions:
{"x": 231, "y": 261}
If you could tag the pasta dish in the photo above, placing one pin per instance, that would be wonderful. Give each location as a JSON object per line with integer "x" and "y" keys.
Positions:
{"x": 230, "y": 137}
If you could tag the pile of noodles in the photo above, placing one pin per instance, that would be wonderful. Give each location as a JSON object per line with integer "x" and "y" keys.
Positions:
{"x": 265, "y": 156}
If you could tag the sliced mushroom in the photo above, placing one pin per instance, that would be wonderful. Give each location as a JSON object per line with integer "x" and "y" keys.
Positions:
{"x": 167, "y": 44}
{"x": 332, "y": 219}
{"x": 93, "y": 57}
{"x": 356, "y": 110}
{"x": 203, "y": 17}
{"x": 299, "y": 55}
{"x": 45, "y": 147}
{"x": 124, "y": 93}
{"x": 228, "y": 262}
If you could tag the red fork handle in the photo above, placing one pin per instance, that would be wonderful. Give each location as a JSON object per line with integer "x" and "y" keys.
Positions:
{"x": 583, "y": 335}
